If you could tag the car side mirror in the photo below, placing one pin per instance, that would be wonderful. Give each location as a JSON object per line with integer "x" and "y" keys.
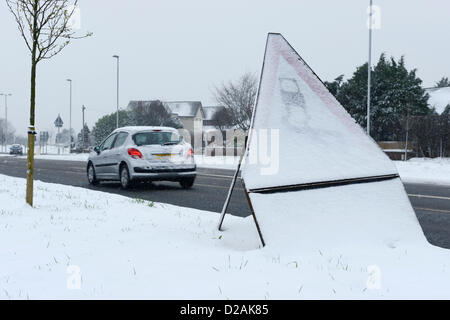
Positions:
{"x": 97, "y": 149}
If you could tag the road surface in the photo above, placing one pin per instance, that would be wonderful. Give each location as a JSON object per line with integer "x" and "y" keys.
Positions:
{"x": 431, "y": 202}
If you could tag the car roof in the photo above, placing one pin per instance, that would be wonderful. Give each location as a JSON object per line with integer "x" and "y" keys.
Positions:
{"x": 134, "y": 129}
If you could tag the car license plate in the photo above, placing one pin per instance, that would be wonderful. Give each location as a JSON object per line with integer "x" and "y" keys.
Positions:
{"x": 165, "y": 156}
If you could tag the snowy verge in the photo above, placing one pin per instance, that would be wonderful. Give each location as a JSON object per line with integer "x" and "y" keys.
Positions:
{"x": 425, "y": 170}
{"x": 83, "y": 244}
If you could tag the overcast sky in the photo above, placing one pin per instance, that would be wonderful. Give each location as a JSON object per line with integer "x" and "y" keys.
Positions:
{"x": 178, "y": 49}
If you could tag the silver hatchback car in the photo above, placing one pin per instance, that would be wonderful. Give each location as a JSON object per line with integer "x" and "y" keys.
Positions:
{"x": 142, "y": 153}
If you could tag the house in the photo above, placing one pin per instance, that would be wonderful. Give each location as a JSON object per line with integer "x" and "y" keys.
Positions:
{"x": 210, "y": 122}
{"x": 395, "y": 150}
{"x": 439, "y": 98}
{"x": 233, "y": 138}
{"x": 190, "y": 113}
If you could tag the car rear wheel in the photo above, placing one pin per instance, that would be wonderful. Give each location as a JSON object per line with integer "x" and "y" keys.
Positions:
{"x": 187, "y": 183}
{"x": 125, "y": 181}
{"x": 92, "y": 178}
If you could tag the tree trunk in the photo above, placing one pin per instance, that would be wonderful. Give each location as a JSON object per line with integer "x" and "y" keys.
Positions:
{"x": 31, "y": 135}
{"x": 32, "y": 129}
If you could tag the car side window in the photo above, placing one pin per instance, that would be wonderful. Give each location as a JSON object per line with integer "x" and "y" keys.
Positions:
{"x": 121, "y": 137}
{"x": 108, "y": 143}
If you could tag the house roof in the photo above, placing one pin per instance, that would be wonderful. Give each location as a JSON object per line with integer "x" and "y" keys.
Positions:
{"x": 144, "y": 103}
{"x": 210, "y": 111}
{"x": 184, "y": 108}
{"x": 439, "y": 98}
{"x": 188, "y": 109}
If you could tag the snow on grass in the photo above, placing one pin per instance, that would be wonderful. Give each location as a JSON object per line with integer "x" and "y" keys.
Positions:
{"x": 425, "y": 170}
{"x": 131, "y": 248}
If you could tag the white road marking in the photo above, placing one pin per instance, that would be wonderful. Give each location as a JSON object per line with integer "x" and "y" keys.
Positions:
{"x": 428, "y": 196}
{"x": 214, "y": 176}
{"x": 432, "y": 210}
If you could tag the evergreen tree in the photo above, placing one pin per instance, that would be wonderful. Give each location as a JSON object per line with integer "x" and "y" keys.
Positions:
{"x": 396, "y": 93}
{"x": 444, "y": 82}
{"x": 335, "y": 86}
{"x": 107, "y": 124}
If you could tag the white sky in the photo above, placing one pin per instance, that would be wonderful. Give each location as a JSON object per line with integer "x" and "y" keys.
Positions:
{"x": 178, "y": 49}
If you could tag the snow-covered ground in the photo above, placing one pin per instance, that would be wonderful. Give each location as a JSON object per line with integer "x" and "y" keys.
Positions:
{"x": 424, "y": 170}
{"x": 78, "y": 243}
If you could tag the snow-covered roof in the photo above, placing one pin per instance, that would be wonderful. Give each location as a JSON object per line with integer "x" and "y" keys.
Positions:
{"x": 184, "y": 108}
{"x": 439, "y": 98}
{"x": 210, "y": 111}
{"x": 179, "y": 108}
{"x": 144, "y": 104}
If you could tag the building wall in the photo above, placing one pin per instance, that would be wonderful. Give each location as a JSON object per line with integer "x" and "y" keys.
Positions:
{"x": 195, "y": 128}
{"x": 395, "y": 150}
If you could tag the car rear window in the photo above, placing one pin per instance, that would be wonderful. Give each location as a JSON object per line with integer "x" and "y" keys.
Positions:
{"x": 156, "y": 138}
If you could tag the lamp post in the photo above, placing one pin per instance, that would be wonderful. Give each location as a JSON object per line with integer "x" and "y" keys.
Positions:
{"x": 369, "y": 68}
{"x": 6, "y": 95}
{"x": 83, "y": 108}
{"x": 70, "y": 116}
{"x": 117, "y": 115}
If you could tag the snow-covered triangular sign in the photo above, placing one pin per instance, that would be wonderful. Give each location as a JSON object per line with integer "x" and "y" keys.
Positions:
{"x": 311, "y": 174}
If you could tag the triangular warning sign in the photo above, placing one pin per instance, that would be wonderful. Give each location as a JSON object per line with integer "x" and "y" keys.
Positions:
{"x": 318, "y": 141}
{"x": 311, "y": 173}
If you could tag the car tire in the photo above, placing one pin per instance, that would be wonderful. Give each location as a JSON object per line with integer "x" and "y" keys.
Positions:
{"x": 92, "y": 178}
{"x": 187, "y": 183}
{"x": 124, "y": 177}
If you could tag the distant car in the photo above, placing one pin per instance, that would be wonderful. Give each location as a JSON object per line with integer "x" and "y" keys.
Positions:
{"x": 16, "y": 149}
{"x": 142, "y": 153}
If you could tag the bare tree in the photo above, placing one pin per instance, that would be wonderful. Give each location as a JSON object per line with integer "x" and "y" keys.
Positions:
{"x": 223, "y": 119}
{"x": 239, "y": 98}
{"x": 45, "y": 27}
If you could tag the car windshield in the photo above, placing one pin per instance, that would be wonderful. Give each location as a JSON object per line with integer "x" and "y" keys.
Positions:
{"x": 156, "y": 138}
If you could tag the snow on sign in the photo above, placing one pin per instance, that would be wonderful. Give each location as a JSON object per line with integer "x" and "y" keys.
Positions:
{"x": 331, "y": 185}
{"x": 318, "y": 140}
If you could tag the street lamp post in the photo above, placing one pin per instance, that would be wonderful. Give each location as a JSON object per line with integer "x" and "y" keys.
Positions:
{"x": 6, "y": 95}
{"x": 369, "y": 68}
{"x": 117, "y": 115}
{"x": 70, "y": 116}
{"x": 83, "y": 108}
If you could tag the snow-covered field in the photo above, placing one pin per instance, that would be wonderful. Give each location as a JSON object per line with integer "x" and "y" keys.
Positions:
{"x": 424, "y": 170}
{"x": 78, "y": 243}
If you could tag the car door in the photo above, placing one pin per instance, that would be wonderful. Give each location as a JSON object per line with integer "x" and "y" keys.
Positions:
{"x": 103, "y": 159}
{"x": 115, "y": 155}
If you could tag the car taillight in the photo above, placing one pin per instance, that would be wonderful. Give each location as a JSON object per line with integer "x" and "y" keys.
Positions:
{"x": 190, "y": 153}
{"x": 135, "y": 153}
